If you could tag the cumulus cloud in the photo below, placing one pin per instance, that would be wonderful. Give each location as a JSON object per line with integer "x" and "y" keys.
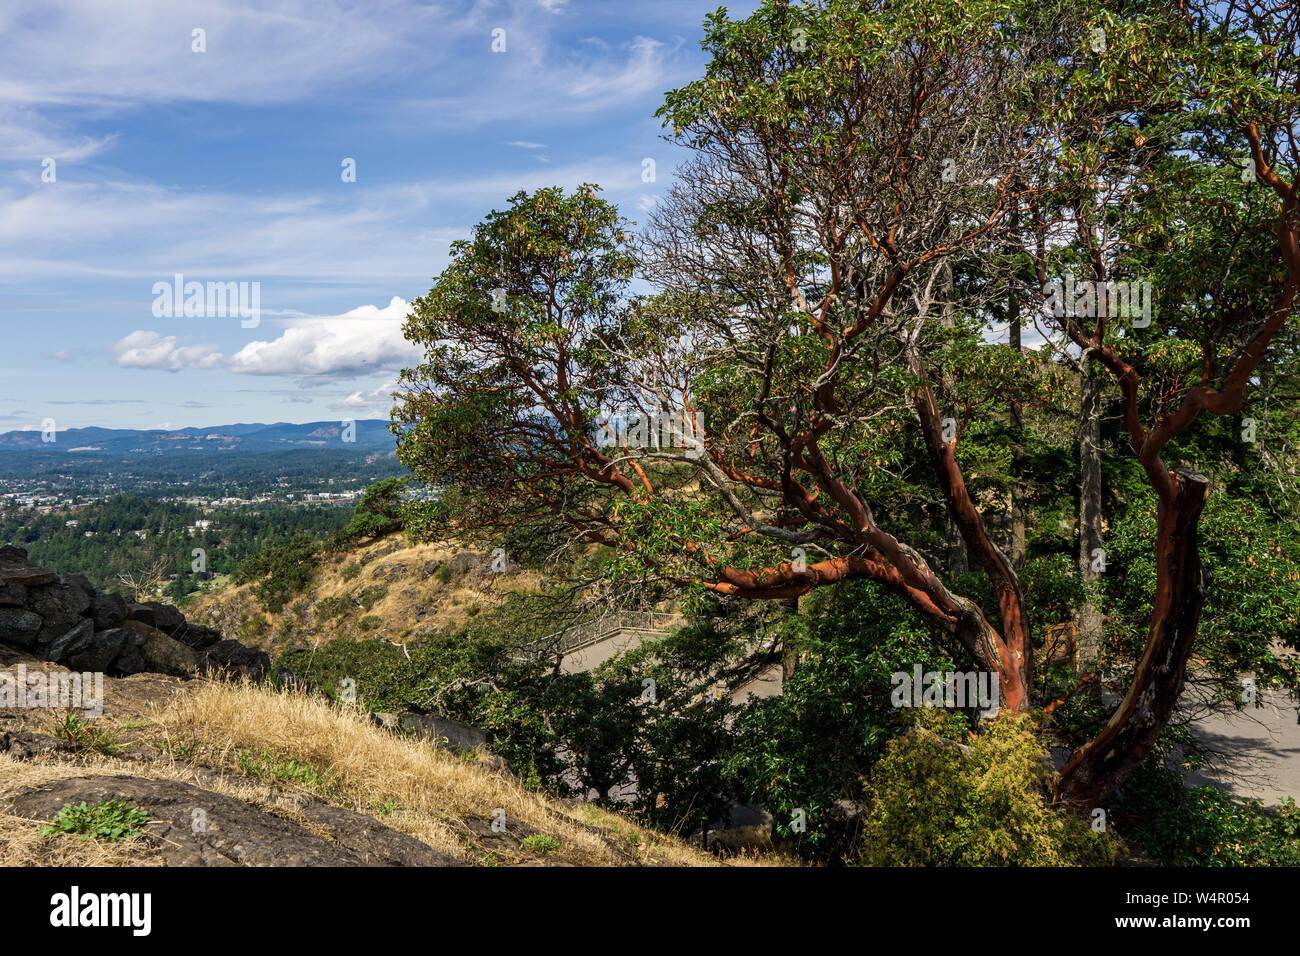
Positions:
{"x": 144, "y": 349}
{"x": 365, "y": 340}
{"x": 380, "y": 400}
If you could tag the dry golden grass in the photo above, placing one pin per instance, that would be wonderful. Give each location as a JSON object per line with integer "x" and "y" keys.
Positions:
{"x": 449, "y": 603}
{"x": 21, "y": 843}
{"x": 363, "y": 767}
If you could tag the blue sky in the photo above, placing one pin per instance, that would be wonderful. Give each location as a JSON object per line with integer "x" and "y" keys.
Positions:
{"x": 226, "y": 166}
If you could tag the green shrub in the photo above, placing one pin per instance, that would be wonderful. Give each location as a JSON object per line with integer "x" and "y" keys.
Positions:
{"x": 370, "y": 622}
{"x": 1202, "y": 826}
{"x": 540, "y": 843}
{"x": 372, "y": 595}
{"x": 977, "y": 802}
{"x": 350, "y": 570}
{"x": 110, "y": 820}
{"x": 281, "y": 572}
{"x": 85, "y": 736}
{"x": 334, "y": 606}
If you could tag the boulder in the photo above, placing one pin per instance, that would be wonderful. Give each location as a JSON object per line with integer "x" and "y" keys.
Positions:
{"x": 59, "y": 600}
{"x": 11, "y": 554}
{"x": 143, "y": 613}
{"x": 80, "y": 582}
{"x": 26, "y": 575}
{"x": 83, "y": 649}
{"x": 235, "y": 659}
{"x": 466, "y": 561}
{"x": 197, "y": 636}
{"x": 746, "y": 827}
{"x": 443, "y": 731}
{"x": 19, "y": 627}
{"x": 233, "y": 833}
{"x": 129, "y": 660}
{"x": 12, "y": 594}
{"x": 76, "y": 638}
{"x": 165, "y": 617}
{"x": 159, "y": 652}
{"x": 107, "y": 611}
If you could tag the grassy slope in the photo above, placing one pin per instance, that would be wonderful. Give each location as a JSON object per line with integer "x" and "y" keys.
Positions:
{"x": 304, "y": 743}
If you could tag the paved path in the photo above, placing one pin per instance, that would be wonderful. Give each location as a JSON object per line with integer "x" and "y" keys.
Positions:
{"x": 1259, "y": 750}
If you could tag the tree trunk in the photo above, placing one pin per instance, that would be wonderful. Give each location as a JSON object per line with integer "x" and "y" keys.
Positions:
{"x": 1089, "y": 623}
{"x": 1097, "y": 768}
{"x": 955, "y": 559}
{"x": 1016, "y": 549}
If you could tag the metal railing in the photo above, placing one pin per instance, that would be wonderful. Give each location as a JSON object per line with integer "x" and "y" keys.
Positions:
{"x": 615, "y": 622}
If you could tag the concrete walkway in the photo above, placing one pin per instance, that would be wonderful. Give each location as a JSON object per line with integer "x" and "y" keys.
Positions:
{"x": 1257, "y": 751}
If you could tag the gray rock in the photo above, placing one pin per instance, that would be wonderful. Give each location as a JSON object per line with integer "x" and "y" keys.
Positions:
{"x": 746, "y": 827}
{"x": 12, "y": 594}
{"x": 11, "y": 554}
{"x": 73, "y": 641}
{"x": 160, "y": 653}
{"x": 26, "y": 744}
{"x": 143, "y": 613}
{"x": 232, "y": 658}
{"x": 19, "y": 627}
{"x": 80, "y": 582}
{"x": 466, "y": 561}
{"x": 103, "y": 647}
{"x": 197, "y": 636}
{"x": 443, "y": 731}
{"x": 234, "y": 833}
{"x": 165, "y": 617}
{"x": 107, "y": 611}
{"x": 129, "y": 660}
{"x": 59, "y": 600}
{"x": 26, "y": 575}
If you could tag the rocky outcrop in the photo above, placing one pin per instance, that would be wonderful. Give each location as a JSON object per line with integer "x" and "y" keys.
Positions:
{"x": 62, "y": 619}
{"x": 192, "y": 826}
{"x": 443, "y": 731}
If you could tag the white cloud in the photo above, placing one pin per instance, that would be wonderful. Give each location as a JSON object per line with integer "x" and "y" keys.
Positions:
{"x": 365, "y": 340}
{"x": 377, "y": 401}
{"x": 110, "y": 229}
{"x": 524, "y": 144}
{"x": 553, "y": 6}
{"x": 144, "y": 349}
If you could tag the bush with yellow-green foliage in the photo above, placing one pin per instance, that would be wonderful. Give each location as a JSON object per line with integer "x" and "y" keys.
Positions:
{"x": 977, "y": 800}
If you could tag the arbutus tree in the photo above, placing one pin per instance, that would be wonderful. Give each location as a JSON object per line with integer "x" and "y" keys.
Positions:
{"x": 803, "y": 337}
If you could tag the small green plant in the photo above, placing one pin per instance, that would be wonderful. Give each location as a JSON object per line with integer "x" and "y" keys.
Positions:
{"x": 370, "y": 622}
{"x": 334, "y": 606}
{"x": 110, "y": 820}
{"x": 85, "y": 737}
{"x": 540, "y": 843}
{"x": 351, "y": 570}
{"x": 271, "y": 766}
{"x": 253, "y": 628}
{"x": 368, "y": 597}
{"x": 443, "y": 574}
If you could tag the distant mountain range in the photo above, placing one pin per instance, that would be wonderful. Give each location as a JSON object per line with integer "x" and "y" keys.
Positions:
{"x": 370, "y": 434}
